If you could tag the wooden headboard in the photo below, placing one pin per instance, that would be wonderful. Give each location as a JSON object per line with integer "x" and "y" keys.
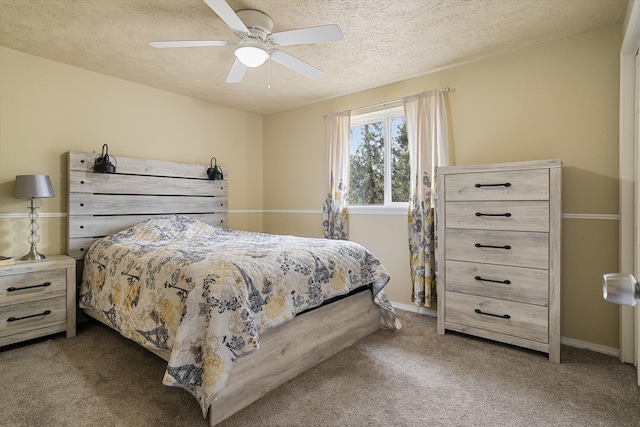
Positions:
{"x": 101, "y": 204}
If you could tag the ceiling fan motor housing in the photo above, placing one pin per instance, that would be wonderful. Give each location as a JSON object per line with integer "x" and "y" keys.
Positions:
{"x": 254, "y": 29}
{"x": 257, "y": 22}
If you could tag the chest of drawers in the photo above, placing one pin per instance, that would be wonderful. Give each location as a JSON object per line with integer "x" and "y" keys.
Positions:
{"x": 37, "y": 298}
{"x": 498, "y": 258}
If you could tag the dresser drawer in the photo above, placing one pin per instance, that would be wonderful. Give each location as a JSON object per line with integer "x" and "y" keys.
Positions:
{"x": 24, "y": 317}
{"x": 499, "y": 215}
{"x": 529, "y": 285}
{"x": 506, "y": 317}
{"x": 514, "y": 248}
{"x": 503, "y": 185}
{"x": 17, "y": 288}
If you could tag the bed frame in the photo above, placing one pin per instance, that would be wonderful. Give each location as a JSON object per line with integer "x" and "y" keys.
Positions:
{"x": 101, "y": 204}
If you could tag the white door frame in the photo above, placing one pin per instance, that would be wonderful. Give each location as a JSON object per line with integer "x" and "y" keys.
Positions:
{"x": 628, "y": 163}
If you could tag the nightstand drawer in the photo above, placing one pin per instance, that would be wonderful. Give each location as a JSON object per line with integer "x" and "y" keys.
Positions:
{"x": 506, "y": 317}
{"x": 501, "y": 185}
{"x": 499, "y": 215}
{"x": 528, "y": 285}
{"x": 18, "y": 288}
{"x": 18, "y": 318}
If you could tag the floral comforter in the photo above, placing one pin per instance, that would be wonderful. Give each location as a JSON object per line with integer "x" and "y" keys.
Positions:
{"x": 205, "y": 293}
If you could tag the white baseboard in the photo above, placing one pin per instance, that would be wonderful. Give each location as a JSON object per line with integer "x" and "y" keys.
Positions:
{"x": 414, "y": 309}
{"x": 610, "y": 351}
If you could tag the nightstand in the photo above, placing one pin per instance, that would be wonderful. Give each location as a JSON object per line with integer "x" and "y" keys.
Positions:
{"x": 37, "y": 298}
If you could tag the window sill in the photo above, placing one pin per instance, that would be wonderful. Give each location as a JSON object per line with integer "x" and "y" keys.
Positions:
{"x": 378, "y": 210}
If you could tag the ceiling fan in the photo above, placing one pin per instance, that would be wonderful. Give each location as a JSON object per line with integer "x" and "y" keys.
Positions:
{"x": 253, "y": 27}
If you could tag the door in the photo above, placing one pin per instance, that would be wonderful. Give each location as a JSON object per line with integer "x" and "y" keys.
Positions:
{"x": 637, "y": 149}
{"x": 629, "y": 163}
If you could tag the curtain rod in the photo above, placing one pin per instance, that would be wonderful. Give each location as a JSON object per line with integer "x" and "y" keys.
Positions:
{"x": 382, "y": 104}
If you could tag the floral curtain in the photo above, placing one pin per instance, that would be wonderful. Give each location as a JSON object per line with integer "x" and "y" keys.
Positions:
{"x": 426, "y": 121}
{"x": 336, "y": 175}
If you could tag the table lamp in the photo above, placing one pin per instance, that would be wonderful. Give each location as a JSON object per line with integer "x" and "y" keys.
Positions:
{"x": 33, "y": 187}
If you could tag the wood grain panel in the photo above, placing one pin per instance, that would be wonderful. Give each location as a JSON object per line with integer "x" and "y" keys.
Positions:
{"x": 528, "y": 285}
{"x": 294, "y": 347}
{"x": 58, "y": 315}
{"x": 35, "y": 333}
{"x": 523, "y": 185}
{"x": 441, "y": 281}
{"x": 525, "y": 320}
{"x": 139, "y": 190}
{"x": 90, "y": 182}
{"x": 76, "y": 248}
{"x": 99, "y": 226}
{"x": 499, "y": 215}
{"x": 491, "y": 335}
{"x": 80, "y": 161}
{"x": 527, "y": 249}
{"x": 555, "y": 269}
{"x": 18, "y": 288}
{"x": 106, "y": 204}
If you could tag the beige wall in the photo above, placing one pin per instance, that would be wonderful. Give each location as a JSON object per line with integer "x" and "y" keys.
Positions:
{"x": 48, "y": 108}
{"x": 557, "y": 101}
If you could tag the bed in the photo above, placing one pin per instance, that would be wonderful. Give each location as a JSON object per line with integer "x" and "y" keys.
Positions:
{"x": 226, "y": 312}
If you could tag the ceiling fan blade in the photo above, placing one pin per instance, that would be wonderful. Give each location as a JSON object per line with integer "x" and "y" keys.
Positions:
{"x": 296, "y": 65}
{"x": 237, "y": 72}
{"x": 190, "y": 43}
{"x": 323, "y": 33}
{"x": 227, "y": 14}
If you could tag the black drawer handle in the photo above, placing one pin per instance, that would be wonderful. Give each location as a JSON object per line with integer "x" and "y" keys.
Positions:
{"x": 507, "y": 214}
{"x": 503, "y": 316}
{"x": 13, "y": 288}
{"x": 13, "y": 319}
{"x": 506, "y": 184}
{"x": 506, "y": 282}
{"x": 507, "y": 247}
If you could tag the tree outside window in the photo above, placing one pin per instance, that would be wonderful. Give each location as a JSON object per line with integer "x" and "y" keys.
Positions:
{"x": 379, "y": 159}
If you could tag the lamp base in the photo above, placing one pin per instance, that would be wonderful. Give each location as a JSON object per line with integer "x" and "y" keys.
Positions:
{"x": 32, "y": 255}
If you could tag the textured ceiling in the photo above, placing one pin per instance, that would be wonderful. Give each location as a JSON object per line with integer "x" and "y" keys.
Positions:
{"x": 384, "y": 41}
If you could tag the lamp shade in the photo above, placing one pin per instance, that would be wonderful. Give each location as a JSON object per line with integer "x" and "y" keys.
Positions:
{"x": 33, "y": 186}
{"x": 251, "y": 56}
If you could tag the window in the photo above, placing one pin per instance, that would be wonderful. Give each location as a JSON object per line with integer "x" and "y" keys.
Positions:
{"x": 379, "y": 159}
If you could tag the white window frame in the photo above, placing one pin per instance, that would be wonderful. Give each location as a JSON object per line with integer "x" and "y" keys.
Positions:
{"x": 389, "y": 207}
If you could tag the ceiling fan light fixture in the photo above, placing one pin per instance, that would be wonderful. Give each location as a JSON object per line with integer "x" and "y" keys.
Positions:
{"x": 252, "y": 56}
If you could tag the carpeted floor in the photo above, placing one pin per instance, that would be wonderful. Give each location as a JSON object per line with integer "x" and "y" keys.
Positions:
{"x": 410, "y": 377}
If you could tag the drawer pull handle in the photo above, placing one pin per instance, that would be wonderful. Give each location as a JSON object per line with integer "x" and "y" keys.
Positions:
{"x": 507, "y": 247}
{"x": 503, "y": 316}
{"x": 506, "y": 214}
{"x": 13, "y": 288}
{"x": 506, "y": 184}
{"x": 13, "y": 319}
{"x": 506, "y": 282}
